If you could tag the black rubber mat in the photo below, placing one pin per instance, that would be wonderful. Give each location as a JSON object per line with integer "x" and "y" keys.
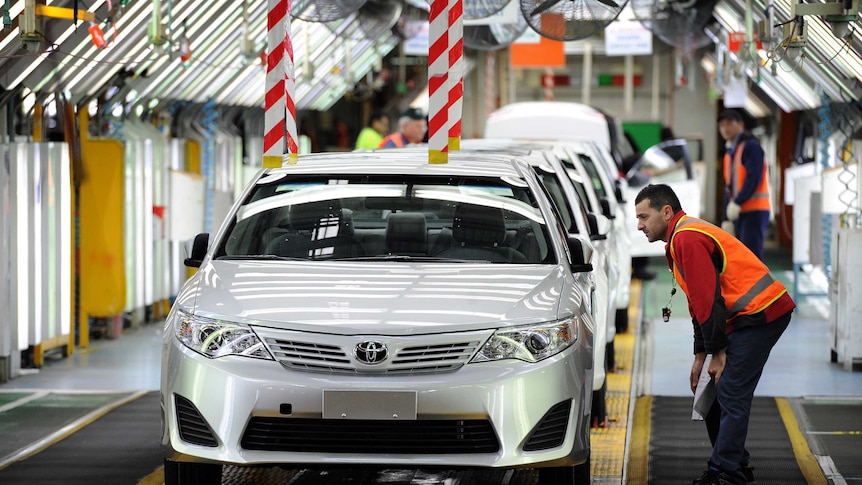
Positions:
{"x": 119, "y": 448}
{"x": 837, "y": 426}
{"x": 679, "y": 447}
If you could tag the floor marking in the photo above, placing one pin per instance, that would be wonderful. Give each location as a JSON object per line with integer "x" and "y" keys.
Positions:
{"x": 22, "y": 401}
{"x": 66, "y": 431}
{"x": 808, "y": 464}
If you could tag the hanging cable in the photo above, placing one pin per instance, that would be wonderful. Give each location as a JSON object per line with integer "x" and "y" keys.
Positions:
{"x": 210, "y": 125}
{"x": 7, "y": 20}
{"x": 825, "y": 131}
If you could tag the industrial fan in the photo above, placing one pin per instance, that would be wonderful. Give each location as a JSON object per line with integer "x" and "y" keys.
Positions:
{"x": 325, "y": 10}
{"x": 493, "y": 36}
{"x": 472, "y": 9}
{"x": 678, "y": 23}
{"x": 371, "y": 21}
{"x": 570, "y": 19}
{"x": 479, "y": 9}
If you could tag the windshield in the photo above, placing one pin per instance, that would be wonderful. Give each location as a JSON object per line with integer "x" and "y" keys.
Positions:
{"x": 390, "y": 217}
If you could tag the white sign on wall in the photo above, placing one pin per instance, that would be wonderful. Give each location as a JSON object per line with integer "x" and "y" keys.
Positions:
{"x": 627, "y": 38}
{"x": 418, "y": 32}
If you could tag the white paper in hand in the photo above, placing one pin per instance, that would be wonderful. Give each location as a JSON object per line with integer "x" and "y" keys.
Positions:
{"x": 704, "y": 394}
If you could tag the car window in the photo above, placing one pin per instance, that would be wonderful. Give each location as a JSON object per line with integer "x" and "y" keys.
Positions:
{"x": 379, "y": 217}
{"x": 551, "y": 183}
{"x": 593, "y": 172}
{"x": 581, "y": 190}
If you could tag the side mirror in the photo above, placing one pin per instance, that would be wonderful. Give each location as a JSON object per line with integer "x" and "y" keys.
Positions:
{"x": 600, "y": 226}
{"x": 197, "y": 251}
{"x": 606, "y": 208}
{"x": 581, "y": 252}
{"x": 618, "y": 192}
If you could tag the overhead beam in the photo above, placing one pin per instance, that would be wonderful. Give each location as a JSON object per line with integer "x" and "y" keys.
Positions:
{"x": 64, "y": 13}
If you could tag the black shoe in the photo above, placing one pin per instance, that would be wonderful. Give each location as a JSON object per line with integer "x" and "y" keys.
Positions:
{"x": 643, "y": 274}
{"x": 711, "y": 477}
{"x": 748, "y": 472}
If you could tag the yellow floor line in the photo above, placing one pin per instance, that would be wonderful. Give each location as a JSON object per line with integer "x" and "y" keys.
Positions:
{"x": 804, "y": 457}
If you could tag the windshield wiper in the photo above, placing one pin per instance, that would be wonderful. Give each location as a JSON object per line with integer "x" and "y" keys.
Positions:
{"x": 255, "y": 257}
{"x": 412, "y": 259}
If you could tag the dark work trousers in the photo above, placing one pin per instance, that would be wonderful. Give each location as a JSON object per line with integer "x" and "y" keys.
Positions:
{"x": 727, "y": 420}
{"x": 750, "y": 229}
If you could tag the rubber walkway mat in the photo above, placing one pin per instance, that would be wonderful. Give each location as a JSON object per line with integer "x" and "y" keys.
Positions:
{"x": 679, "y": 447}
{"x": 119, "y": 447}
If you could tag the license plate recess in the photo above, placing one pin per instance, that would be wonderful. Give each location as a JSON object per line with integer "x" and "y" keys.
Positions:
{"x": 393, "y": 405}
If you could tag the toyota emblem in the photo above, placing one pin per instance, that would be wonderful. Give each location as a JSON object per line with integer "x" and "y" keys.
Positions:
{"x": 371, "y": 352}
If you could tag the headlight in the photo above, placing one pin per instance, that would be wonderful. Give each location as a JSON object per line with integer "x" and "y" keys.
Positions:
{"x": 529, "y": 343}
{"x": 214, "y": 338}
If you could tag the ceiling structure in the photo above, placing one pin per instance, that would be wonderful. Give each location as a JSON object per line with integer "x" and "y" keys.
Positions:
{"x": 227, "y": 37}
{"x": 825, "y": 68}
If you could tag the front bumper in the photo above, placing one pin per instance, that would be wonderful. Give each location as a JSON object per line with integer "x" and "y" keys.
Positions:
{"x": 508, "y": 402}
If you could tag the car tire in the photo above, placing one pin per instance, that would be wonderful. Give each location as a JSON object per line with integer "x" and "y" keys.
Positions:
{"x": 182, "y": 473}
{"x": 622, "y": 320}
{"x": 566, "y": 475}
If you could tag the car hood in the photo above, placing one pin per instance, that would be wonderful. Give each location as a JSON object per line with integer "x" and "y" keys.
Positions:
{"x": 375, "y": 298}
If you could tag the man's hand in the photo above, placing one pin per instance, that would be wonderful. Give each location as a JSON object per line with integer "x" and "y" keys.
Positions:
{"x": 696, "y": 368}
{"x": 728, "y": 227}
{"x": 716, "y": 365}
{"x": 732, "y": 211}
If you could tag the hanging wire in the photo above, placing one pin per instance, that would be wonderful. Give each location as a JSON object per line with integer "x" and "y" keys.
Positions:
{"x": 825, "y": 130}
{"x": 847, "y": 122}
{"x": 210, "y": 125}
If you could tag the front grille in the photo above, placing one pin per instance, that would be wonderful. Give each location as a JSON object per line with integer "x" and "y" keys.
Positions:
{"x": 551, "y": 430}
{"x": 316, "y": 357}
{"x": 370, "y": 436}
{"x": 310, "y": 356}
{"x": 192, "y": 427}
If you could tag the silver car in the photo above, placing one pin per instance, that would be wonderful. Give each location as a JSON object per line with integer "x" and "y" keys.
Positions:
{"x": 377, "y": 310}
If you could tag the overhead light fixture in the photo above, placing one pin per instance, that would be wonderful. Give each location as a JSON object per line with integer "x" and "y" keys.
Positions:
{"x": 837, "y": 14}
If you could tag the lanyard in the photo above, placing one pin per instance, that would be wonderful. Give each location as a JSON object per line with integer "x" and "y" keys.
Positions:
{"x": 665, "y": 312}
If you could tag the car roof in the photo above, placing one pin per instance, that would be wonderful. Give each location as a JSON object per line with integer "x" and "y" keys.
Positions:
{"x": 407, "y": 161}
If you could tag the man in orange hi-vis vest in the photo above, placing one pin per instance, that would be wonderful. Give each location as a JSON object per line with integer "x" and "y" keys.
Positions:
{"x": 412, "y": 126}
{"x": 746, "y": 187}
{"x": 738, "y": 311}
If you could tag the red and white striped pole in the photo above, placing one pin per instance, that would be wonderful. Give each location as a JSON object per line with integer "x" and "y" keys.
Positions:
{"x": 438, "y": 72}
{"x": 548, "y": 83}
{"x": 273, "y": 134}
{"x": 456, "y": 72}
{"x": 290, "y": 89}
{"x": 280, "y": 109}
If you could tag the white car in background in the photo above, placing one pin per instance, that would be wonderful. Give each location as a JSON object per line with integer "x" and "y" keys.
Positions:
{"x": 560, "y": 120}
{"x": 372, "y": 309}
{"x": 578, "y": 220}
{"x": 604, "y": 196}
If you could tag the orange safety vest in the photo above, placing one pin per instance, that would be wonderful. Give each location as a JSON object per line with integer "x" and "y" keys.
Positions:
{"x": 734, "y": 177}
{"x": 395, "y": 137}
{"x": 747, "y": 286}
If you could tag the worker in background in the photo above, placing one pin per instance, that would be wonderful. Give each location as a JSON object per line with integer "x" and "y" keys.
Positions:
{"x": 412, "y": 126}
{"x": 372, "y": 135}
{"x": 738, "y": 311}
{"x": 746, "y": 187}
